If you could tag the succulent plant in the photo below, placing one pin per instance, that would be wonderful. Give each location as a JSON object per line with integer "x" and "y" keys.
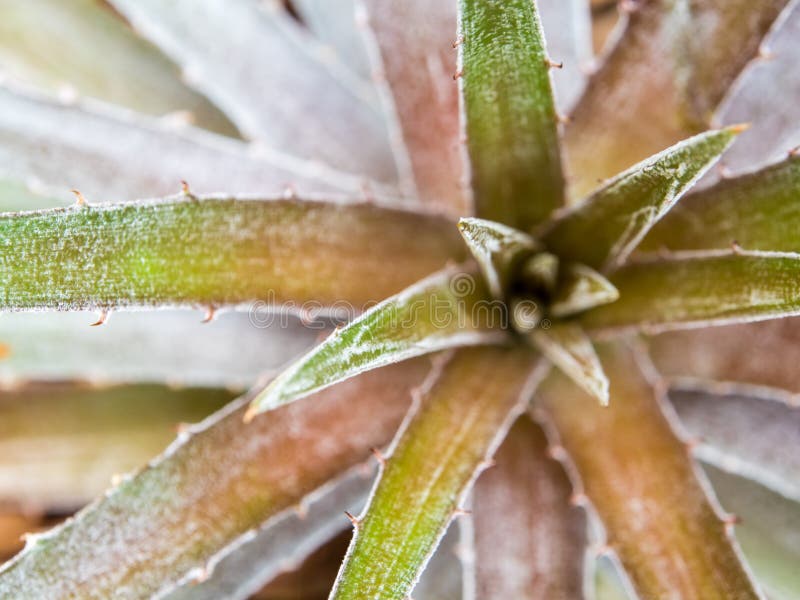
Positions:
{"x": 540, "y": 353}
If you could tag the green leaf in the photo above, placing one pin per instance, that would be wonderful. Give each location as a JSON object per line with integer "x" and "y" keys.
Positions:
{"x": 512, "y": 136}
{"x": 413, "y": 52}
{"x": 569, "y": 348}
{"x": 764, "y": 354}
{"x": 602, "y": 231}
{"x": 644, "y": 487}
{"x": 447, "y": 310}
{"x": 580, "y": 288}
{"x": 710, "y": 289}
{"x": 661, "y": 82}
{"x": 100, "y": 432}
{"x": 218, "y": 482}
{"x": 751, "y": 436}
{"x": 522, "y": 515}
{"x": 498, "y": 249}
{"x": 80, "y": 47}
{"x": 166, "y": 346}
{"x": 460, "y": 420}
{"x": 758, "y": 211}
{"x": 285, "y": 89}
{"x": 217, "y": 252}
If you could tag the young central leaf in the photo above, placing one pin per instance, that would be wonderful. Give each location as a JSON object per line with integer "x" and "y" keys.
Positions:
{"x": 498, "y": 250}
{"x": 511, "y": 120}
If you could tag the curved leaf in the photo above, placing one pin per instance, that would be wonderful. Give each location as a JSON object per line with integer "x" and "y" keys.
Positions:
{"x": 446, "y": 310}
{"x": 602, "y": 231}
{"x": 642, "y": 483}
{"x": 460, "y": 420}
{"x": 711, "y": 289}
{"x": 529, "y": 541}
{"x": 661, "y": 82}
{"x": 758, "y": 211}
{"x": 287, "y": 254}
{"x": 218, "y": 481}
{"x": 269, "y": 78}
{"x": 509, "y": 112}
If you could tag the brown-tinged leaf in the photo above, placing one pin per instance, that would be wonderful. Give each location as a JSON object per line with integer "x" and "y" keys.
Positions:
{"x": 215, "y": 484}
{"x": 763, "y": 96}
{"x": 661, "y": 82}
{"x": 460, "y": 420}
{"x": 413, "y": 52}
{"x": 290, "y": 539}
{"x": 762, "y": 354}
{"x": 529, "y": 539}
{"x": 644, "y": 487}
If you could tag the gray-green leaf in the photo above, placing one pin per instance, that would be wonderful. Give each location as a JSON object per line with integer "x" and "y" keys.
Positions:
{"x": 449, "y": 309}
{"x": 602, "y": 231}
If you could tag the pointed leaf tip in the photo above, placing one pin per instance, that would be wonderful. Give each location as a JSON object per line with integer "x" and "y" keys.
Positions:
{"x": 603, "y": 230}
{"x": 569, "y": 348}
{"x": 434, "y": 314}
{"x": 498, "y": 249}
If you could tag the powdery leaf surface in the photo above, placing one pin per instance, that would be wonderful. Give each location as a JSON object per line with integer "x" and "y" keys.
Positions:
{"x": 460, "y": 420}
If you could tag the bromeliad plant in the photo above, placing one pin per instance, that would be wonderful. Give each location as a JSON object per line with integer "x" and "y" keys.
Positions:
{"x": 549, "y": 270}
